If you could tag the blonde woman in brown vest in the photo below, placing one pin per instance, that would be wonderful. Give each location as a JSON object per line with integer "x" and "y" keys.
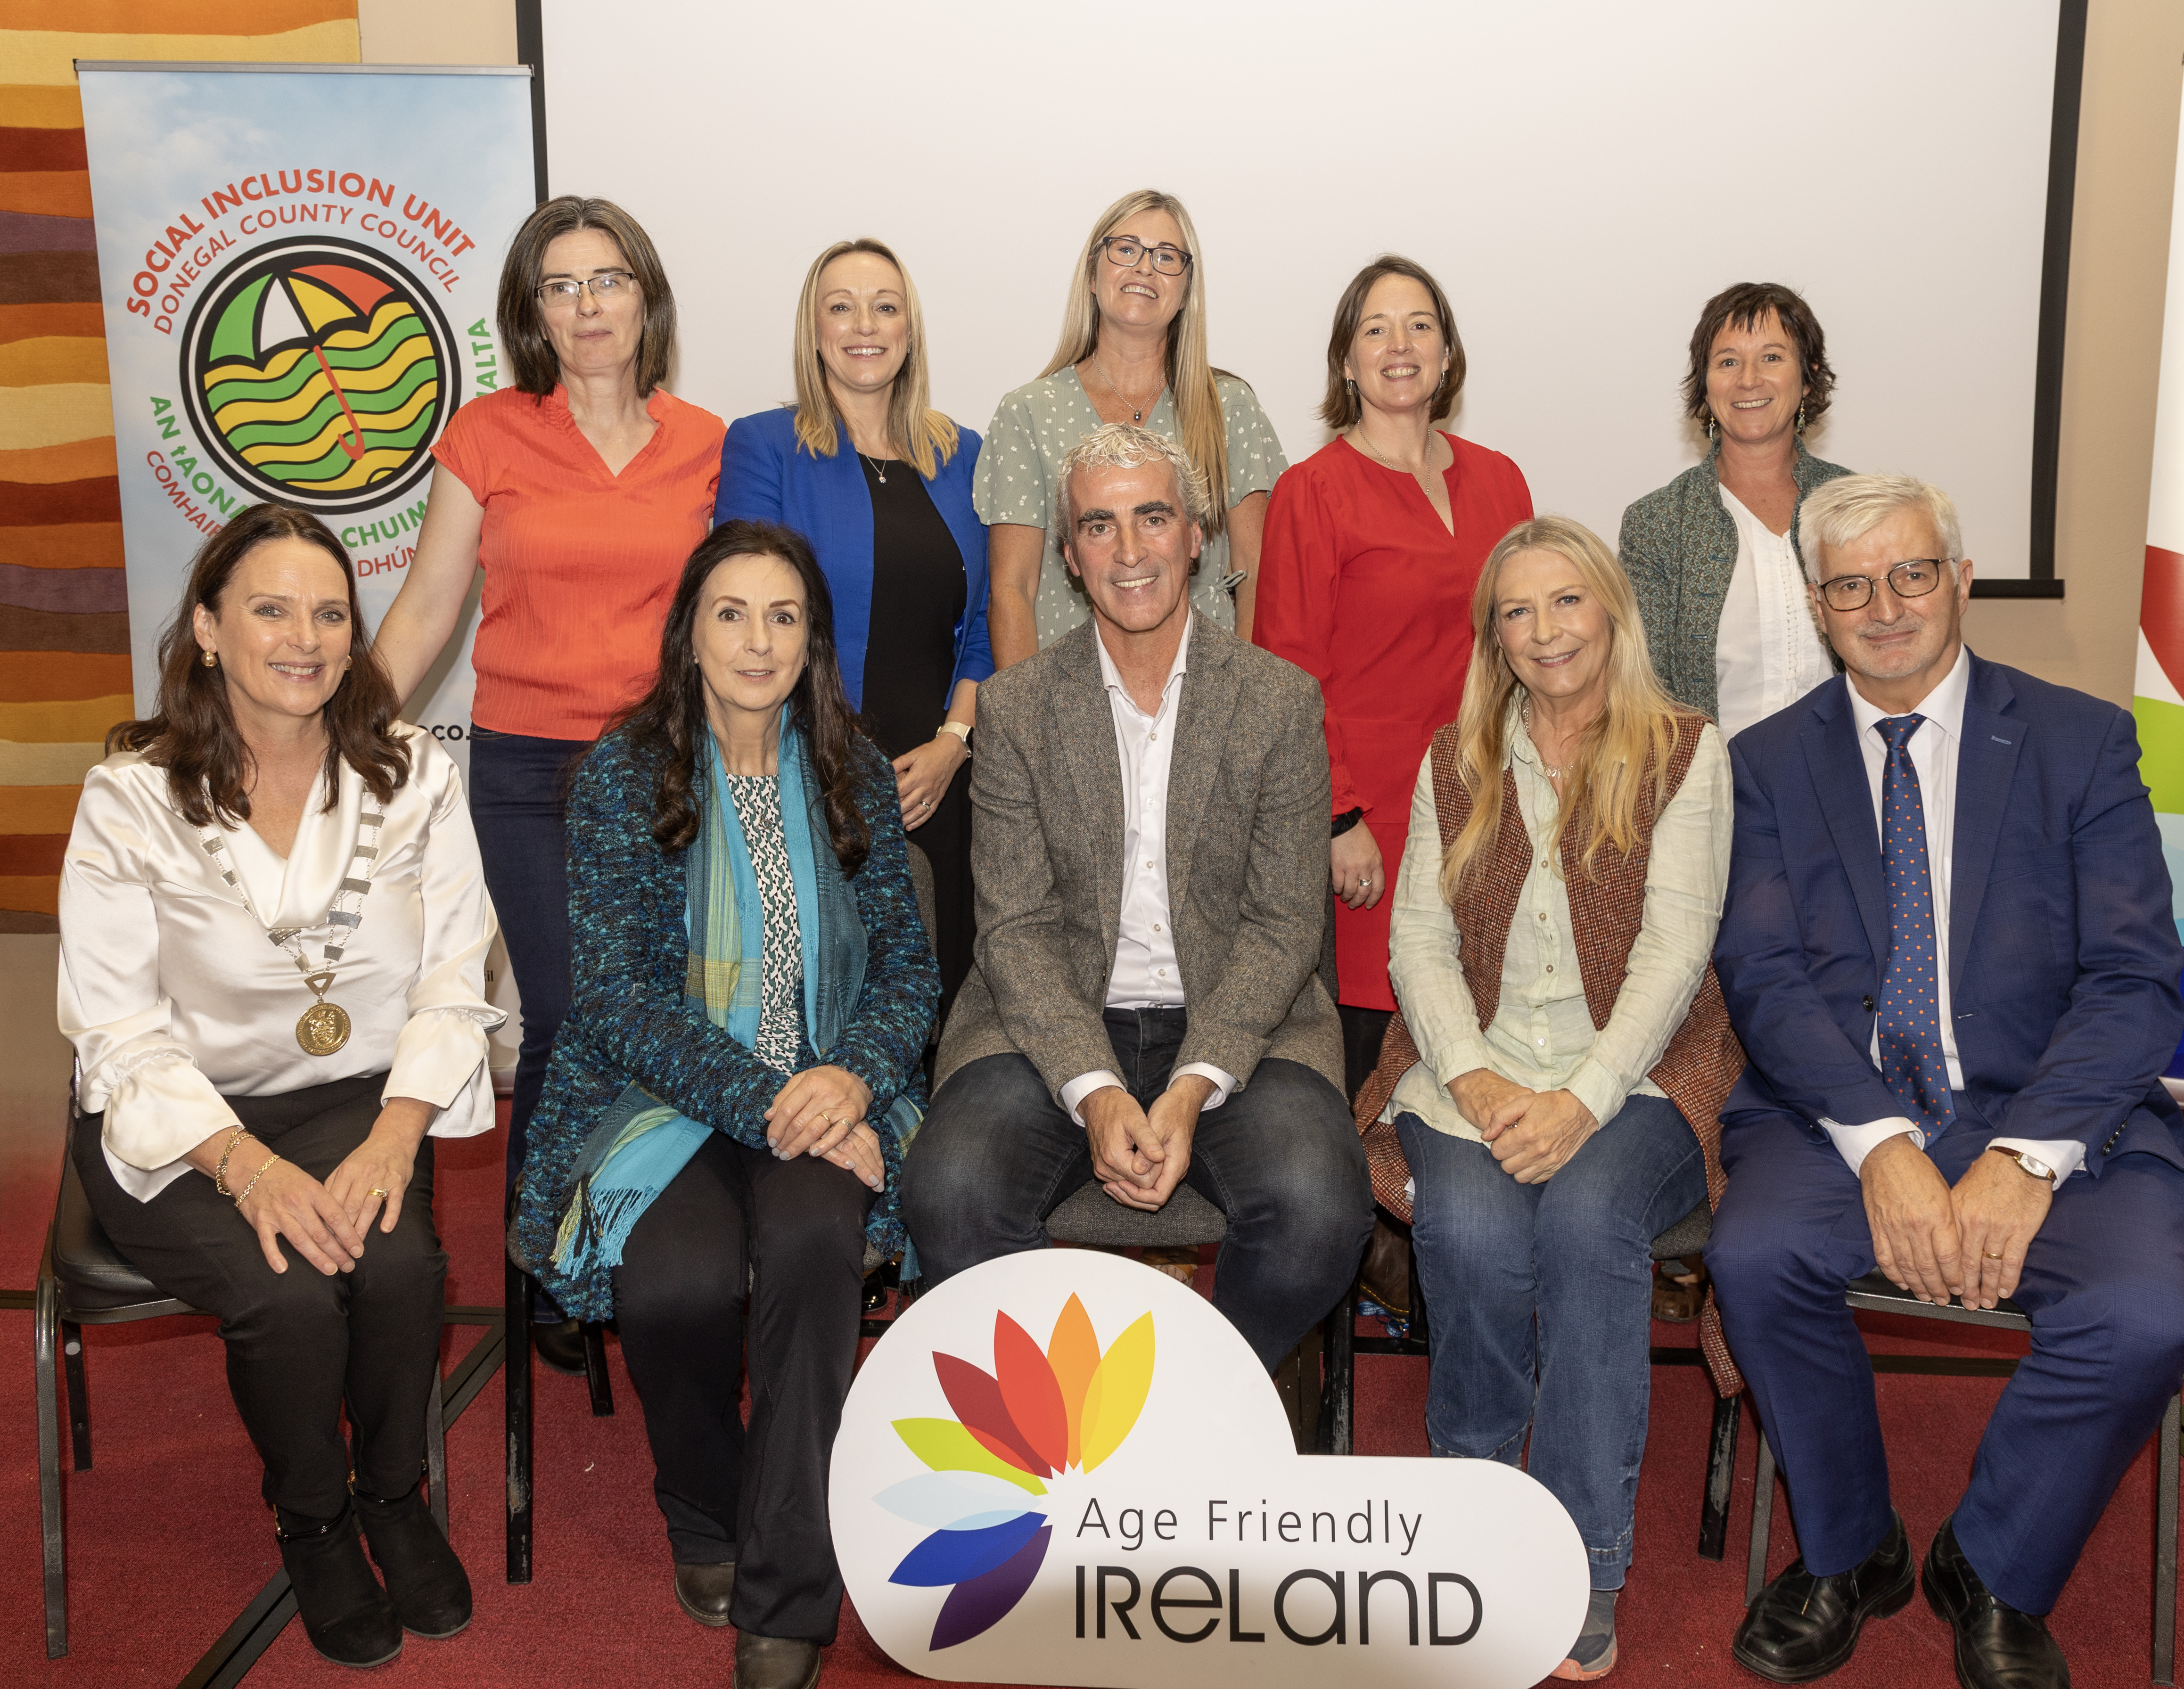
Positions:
{"x": 1551, "y": 1088}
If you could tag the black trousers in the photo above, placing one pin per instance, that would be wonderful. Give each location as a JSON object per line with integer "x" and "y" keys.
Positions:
{"x": 738, "y": 1225}
{"x": 300, "y": 1343}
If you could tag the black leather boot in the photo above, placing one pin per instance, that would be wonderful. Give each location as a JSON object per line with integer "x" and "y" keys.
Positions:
{"x": 345, "y": 1613}
{"x": 424, "y": 1581}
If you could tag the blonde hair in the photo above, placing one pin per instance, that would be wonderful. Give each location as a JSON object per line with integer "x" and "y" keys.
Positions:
{"x": 1637, "y": 722}
{"x": 1200, "y": 427}
{"x": 1846, "y": 509}
{"x": 923, "y": 435}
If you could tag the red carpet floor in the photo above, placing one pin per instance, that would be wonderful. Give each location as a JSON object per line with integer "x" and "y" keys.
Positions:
{"x": 168, "y": 1540}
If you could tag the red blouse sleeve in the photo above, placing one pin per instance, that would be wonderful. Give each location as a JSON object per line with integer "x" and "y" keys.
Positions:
{"x": 463, "y": 449}
{"x": 1300, "y": 567}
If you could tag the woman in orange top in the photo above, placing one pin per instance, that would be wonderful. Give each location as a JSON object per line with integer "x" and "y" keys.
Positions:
{"x": 580, "y": 492}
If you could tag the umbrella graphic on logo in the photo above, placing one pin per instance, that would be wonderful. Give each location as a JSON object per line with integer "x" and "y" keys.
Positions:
{"x": 321, "y": 374}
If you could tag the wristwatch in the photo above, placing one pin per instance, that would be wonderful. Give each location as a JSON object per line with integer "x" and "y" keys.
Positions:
{"x": 2031, "y": 1163}
{"x": 961, "y": 732}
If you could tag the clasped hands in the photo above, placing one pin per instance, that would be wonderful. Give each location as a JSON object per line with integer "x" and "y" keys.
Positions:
{"x": 1935, "y": 1242}
{"x": 820, "y": 1111}
{"x": 1139, "y": 1155}
{"x": 325, "y": 1223}
{"x": 1531, "y": 1133}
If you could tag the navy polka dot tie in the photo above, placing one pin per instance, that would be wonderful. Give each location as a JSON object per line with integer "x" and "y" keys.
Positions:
{"x": 1910, "y": 1017}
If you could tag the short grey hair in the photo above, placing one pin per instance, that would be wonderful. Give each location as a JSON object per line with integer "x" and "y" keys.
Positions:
{"x": 1851, "y": 506}
{"x": 1118, "y": 445}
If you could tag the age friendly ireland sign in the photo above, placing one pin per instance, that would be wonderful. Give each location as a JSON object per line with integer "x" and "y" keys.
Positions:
{"x": 1064, "y": 1468}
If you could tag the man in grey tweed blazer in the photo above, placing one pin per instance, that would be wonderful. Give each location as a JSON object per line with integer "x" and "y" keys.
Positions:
{"x": 1151, "y": 799}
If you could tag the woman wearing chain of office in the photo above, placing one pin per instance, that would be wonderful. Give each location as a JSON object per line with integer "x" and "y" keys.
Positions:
{"x": 273, "y": 937}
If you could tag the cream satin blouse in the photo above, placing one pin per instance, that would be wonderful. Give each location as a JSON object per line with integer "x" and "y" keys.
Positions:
{"x": 172, "y": 994}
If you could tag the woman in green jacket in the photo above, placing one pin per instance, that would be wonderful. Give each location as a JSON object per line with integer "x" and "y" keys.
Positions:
{"x": 1713, "y": 555}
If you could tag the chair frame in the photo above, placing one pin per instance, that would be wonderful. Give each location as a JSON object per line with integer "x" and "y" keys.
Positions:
{"x": 1875, "y": 1294}
{"x": 58, "y": 1336}
{"x": 519, "y": 1393}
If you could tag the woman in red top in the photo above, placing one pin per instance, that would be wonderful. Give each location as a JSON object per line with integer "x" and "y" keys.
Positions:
{"x": 1373, "y": 547}
{"x": 580, "y": 492}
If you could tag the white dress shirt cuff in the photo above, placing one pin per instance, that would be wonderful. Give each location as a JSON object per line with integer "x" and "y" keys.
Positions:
{"x": 2066, "y": 1155}
{"x": 1074, "y": 1092}
{"x": 1856, "y": 1143}
{"x": 1222, "y": 1083}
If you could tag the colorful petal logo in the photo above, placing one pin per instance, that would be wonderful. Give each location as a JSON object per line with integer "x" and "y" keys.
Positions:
{"x": 1035, "y": 1415}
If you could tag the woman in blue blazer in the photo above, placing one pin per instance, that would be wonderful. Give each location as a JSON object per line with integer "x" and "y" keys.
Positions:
{"x": 904, "y": 553}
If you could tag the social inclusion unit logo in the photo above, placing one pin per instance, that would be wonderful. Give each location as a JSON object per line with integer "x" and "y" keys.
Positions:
{"x": 1064, "y": 1468}
{"x": 318, "y": 373}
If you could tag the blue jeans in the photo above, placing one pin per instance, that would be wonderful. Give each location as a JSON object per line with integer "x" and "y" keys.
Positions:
{"x": 997, "y": 1155}
{"x": 1538, "y": 1299}
{"x": 519, "y": 790}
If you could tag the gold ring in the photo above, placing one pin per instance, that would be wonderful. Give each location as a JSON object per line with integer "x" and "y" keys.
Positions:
{"x": 376, "y": 1191}
{"x": 1992, "y": 1255}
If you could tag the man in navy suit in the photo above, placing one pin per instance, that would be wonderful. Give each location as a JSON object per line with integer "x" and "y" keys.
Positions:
{"x": 1949, "y": 952}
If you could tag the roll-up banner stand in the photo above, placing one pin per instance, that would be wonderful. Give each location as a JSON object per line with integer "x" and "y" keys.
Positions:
{"x": 299, "y": 264}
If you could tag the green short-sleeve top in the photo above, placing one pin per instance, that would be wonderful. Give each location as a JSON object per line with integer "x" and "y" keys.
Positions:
{"x": 1018, "y": 481}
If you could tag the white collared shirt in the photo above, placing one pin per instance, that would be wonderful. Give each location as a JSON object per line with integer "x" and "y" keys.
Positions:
{"x": 1146, "y": 974}
{"x": 1933, "y": 749}
{"x": 174, "y": 999}
{"x": 1768, "y": 652}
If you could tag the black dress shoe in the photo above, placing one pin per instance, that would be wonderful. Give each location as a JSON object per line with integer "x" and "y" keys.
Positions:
{"x": 1800, "y": 1627}
{"x": 561, "y": 1346}
{"x": 775, "y": 1662}
{"x": 1998, "y": 1647}
{"x": 345, "y": 1613}
{"x": 704, "y": 1591}
{"x": 425, "y": 1581}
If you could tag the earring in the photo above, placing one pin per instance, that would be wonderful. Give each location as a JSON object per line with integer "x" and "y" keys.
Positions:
{"x": 1801, "y": 421}
{"x": 1711, "y": 426}
{"x": 346, "y": 664}
{"x": 1351, "y": 383}
{"x": 209, "y": 659}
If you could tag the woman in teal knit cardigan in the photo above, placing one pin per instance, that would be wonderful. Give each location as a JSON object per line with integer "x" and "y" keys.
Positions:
{"x": 1712, "y": 555}
{"x": 724, "y": 1116}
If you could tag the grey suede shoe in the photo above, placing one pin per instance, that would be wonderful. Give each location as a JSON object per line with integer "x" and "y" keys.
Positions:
{"x": 1593, "y": 1653}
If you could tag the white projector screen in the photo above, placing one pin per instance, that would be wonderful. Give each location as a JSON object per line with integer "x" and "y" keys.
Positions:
{"x": 1580, "y": 174}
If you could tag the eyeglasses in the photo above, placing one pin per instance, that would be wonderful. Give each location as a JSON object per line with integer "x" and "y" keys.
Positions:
{"x": 1124, "y": 251}
{"x": 1912, "y": 578}
{"x": 604, "y": 286}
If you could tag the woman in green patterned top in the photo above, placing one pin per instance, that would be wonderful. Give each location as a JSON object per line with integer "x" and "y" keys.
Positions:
{"x": 1133, "y": 349}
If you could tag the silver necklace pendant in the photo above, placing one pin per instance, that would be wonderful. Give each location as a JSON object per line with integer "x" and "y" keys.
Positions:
{"x": 879, "y": 469}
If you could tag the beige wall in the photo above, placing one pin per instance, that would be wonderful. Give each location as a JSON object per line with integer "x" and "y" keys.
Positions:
{"x": 437, "y": 31}
{"x": 2118, "y": 276}
{"x": 2119, "y": 271}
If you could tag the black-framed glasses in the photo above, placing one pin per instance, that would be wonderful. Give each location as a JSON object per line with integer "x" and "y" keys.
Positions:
{"x": 1912, "y": 578}
{"x": 1124, "y": 251}
{"x": 604, "y": 286}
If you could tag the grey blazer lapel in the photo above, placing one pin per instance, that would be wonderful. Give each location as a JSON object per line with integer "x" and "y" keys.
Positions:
{"x": 1085, "y": 728}
{"x": 1202, "y": 732}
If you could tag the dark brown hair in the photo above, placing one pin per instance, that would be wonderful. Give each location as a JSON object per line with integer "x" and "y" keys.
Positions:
{"x": 1741, "y": 307}
{"x": 1341, "y": 408}
{"x": 669, "y": 721}
{"x": 193, "y": 736}
{"x": 522, "y": 324}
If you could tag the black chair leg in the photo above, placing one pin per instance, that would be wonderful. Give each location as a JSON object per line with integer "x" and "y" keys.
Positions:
{"x": 79, "y": 1398}
{"x": 1338, "y": 1398}
{"x": 1763, "y": 1521}
{"x": 595, "y": 1370}
{"x": 517, "y": 1393}
{"x": 1721, "y": 1476}
{"x": 436, "y": 1448}
{"x": 2165, "y": 1546}
{"x": 49, "y": 1465}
